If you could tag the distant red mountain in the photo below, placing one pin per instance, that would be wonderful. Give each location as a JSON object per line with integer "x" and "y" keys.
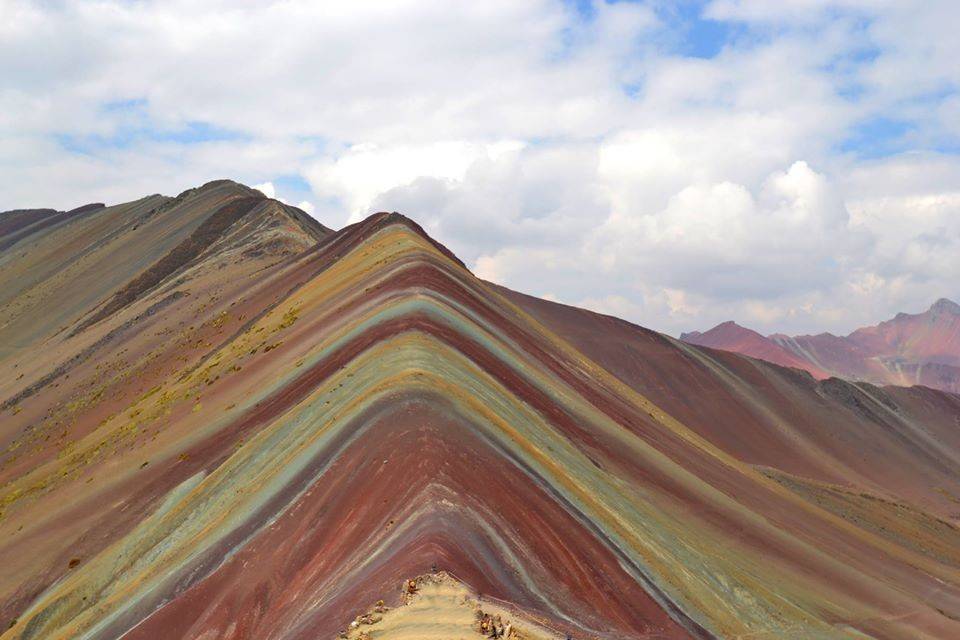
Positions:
{"x": 730, "y": 336}
{"x": 910, "y": 349}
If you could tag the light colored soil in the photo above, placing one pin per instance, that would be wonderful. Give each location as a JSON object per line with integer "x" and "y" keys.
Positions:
{"x": 439, "y": 607}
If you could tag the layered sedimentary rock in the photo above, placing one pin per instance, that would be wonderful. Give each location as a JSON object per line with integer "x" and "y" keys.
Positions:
{"x": 244, "y": 425}
{"x": 910, "y": 349}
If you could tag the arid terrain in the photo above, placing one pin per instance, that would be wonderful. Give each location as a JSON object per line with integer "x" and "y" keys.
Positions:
{"x": 910, "y": 349}
{"x": 220, "y": 419}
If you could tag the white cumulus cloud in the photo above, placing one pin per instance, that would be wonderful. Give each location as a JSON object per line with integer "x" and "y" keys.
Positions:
{"x": 800, "y": 174}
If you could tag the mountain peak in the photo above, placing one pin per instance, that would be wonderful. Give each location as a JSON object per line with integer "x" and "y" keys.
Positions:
{"x": 944, "y": 305}
{"x": 728, "y": 327}
{"x": 731, "y": 324}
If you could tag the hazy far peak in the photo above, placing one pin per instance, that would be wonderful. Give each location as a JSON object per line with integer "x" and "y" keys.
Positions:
{"x": 909, "y": 349}
{"x": 945, "y": 305}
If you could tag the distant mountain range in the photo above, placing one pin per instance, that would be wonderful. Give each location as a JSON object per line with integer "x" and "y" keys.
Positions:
{"x": 910, "y": 349}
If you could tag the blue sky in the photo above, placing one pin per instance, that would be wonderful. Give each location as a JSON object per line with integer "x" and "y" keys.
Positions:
{"x": 791, "y": 165}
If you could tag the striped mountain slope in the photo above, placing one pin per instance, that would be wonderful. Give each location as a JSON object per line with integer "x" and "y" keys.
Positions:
{"x": 261, "y": 428}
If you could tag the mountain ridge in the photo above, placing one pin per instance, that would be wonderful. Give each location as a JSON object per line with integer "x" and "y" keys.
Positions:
{"x": 270, "y": 439}
{"x": 921, "y": 348}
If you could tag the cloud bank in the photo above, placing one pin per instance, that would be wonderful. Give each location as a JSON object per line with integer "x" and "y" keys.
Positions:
{"x": 792, "y": 165}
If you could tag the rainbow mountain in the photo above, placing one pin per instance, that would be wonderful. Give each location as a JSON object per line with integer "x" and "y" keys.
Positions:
{"x": 220, "y": 419}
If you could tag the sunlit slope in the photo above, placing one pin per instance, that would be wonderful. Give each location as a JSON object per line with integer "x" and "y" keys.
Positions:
{"x": 142, "y": 321}
{"x": 367, "y": 410}
{"x": 893, "y": 441}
